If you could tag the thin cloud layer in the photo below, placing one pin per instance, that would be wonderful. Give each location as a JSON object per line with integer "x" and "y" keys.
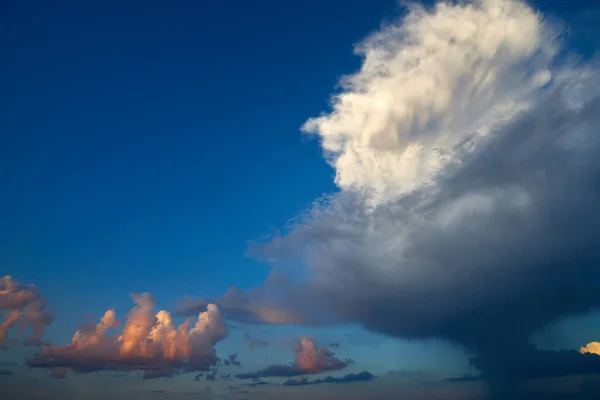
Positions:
{"x": 149, "y": 342}
{"x": 270, "y": 304}
{"x": 465, "y": 151}
{"x": 22, "y": 306}
{"x": 309, "y": 360}
{"x": 232, "y": 361}
{"x": 352, "y": 377}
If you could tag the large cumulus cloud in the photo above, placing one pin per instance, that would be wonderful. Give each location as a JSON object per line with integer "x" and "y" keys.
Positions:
{"x": 149, "y": 342}
{"x": 465, "y": 151}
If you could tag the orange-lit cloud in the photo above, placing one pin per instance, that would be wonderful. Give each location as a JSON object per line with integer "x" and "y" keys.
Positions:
{"x": 148, "y": 342}
{"x": 21, "y": 305}
{"x": 309, "y": 360}
{"x": 592, "y": 348}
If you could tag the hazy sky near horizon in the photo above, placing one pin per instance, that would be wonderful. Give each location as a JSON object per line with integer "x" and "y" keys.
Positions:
{"x": 143, "y": 146}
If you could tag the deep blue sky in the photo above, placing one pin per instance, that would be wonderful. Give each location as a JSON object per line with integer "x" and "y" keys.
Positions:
{"x": 143, "y": 144}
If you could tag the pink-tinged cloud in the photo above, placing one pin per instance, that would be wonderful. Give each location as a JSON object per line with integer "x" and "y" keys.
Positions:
{"x": 149, "y": 342}
{"x": 309, "y": 360}
{"x": 21, "y": 306}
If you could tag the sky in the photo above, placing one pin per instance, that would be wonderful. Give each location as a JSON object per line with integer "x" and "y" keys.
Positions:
{"x": 372, "y": 191}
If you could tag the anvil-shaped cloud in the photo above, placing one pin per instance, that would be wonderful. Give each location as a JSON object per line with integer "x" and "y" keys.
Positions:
{"x": 465, "y": 150}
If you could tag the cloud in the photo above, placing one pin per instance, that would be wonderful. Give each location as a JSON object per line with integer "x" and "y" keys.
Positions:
{"x": 256, "y": 382}
{"x": 263, "y": 305}
{"x": 23, "y": 305}
{"x": 592, "y": 347}
{"x": 550, "y": 364}
{"x": 309, "y": 360}
{"x": 232, "y": 360}
{"x": 427, "y": 84}
{"x": 212, "y": 375}
{"x": 149, "y": 342}
{"x": 5, "y": 372}
{"x": 465, "y": 151}
{"x": 361, "y": 376}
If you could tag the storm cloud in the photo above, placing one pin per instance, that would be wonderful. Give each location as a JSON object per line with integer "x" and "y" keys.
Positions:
{"x": 465, "y": 151}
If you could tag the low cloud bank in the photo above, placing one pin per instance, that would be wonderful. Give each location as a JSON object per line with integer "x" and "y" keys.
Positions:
{"x": 361, "y": 376}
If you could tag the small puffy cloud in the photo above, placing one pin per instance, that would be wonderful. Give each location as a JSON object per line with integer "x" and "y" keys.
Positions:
{"x": 309, "y": 360}
{"x": 22, "y": 305}
{"x": 592, "y": 348}
{"x": 149, "y": 342}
